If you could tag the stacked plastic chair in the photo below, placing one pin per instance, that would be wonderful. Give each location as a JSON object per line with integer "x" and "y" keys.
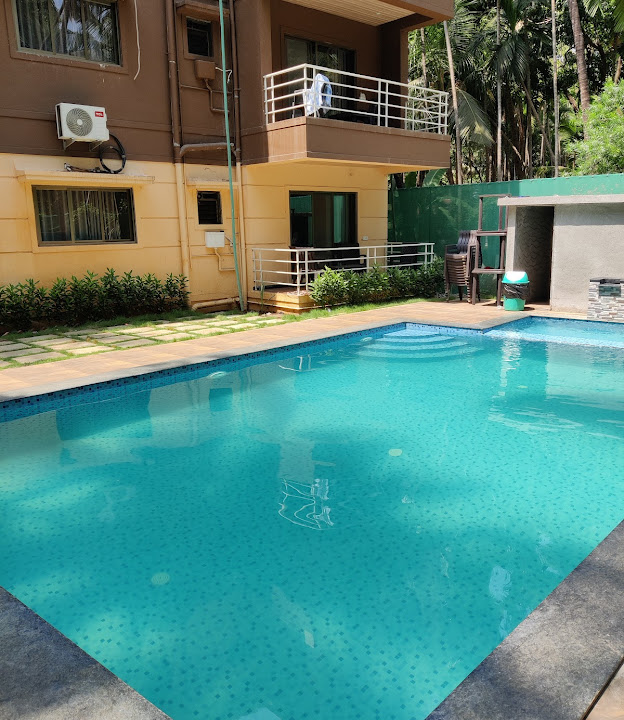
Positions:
{"x": 459, "y": 261}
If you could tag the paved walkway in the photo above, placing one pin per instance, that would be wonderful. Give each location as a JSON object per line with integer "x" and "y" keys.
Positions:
{"x": 46, "y": 347}
{"x": 146, "y": 353}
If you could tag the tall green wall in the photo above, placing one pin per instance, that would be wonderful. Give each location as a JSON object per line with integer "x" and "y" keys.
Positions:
{"x": 437, "y": 214}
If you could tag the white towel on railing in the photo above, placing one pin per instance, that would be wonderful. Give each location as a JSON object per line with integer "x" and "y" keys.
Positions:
{"x": 318, "y": 96}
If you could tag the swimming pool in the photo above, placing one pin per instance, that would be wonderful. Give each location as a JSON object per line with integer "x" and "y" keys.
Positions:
{"x": 338, "y": 531}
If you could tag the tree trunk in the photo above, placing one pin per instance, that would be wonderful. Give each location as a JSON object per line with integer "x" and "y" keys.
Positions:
{"x": 539, "y": 120}
{"x": 499, "y": 103}
{"x": 618, "y": 70}
{"x": 581, "y": 63}
{"x": 423, "y": 56}
{"x": 458, "y": 153}
{"x": 555, "y": 83}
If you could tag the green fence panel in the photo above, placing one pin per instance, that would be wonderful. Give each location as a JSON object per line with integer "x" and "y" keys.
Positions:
{"x": 438, "y": 214}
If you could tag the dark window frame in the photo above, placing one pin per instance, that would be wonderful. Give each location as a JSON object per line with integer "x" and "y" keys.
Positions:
{"x": 40, "y": 53}
{"x": 72, "y": 240}
{"x": 219, "y": 207}
{"x": 211, "y": 42}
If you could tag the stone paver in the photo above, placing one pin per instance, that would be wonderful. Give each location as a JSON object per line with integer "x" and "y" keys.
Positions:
{"x": 135, "y": 343}
{"x": 174, "y": 336}
{"x": 73, "y": 345}
{"x": 4, "y": 364}
{"x": 20, "y": 353}
{"x": 37, "y": 338}
{"x": 89, "y": 350}
{"x": 40, "y": 356}
{"x": 244, "y": 326}
{"x": 210, "y": 331}
{"x": 50, "y": 341}
{"x": 9, "y": 346}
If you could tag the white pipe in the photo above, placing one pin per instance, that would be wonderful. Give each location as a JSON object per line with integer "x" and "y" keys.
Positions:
{"x": 215, "y": 303}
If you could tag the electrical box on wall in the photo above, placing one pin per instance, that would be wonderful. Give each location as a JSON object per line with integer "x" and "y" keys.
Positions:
{"x": 214, "y": 238}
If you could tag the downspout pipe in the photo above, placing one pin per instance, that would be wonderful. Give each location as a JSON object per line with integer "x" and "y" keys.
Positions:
{"x": 176, "y": 132}
{"x": 229, "y": 157}
{"x": 239, "y": 170}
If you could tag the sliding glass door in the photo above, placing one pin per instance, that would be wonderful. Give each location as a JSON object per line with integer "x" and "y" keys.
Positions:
{"x": 323, "y": 219}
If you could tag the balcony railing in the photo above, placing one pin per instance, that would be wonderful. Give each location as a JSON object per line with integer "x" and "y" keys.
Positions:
{"x": 293, "y": 269}
{"x": 312, "y": 90}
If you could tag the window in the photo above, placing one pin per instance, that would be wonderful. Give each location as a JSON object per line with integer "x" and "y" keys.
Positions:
{"x": 199, "y": 37}
{"x": 78, "y": 28}
{"x": 209, "y": 208}
{"x": 77, "y": 216}
{"x": 299, "y": 51}
{"x": 323, "y": 220}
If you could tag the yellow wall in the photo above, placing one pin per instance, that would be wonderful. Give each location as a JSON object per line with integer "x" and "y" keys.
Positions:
{"x": 266, "y": 190}
{"x": 158, "y": 248}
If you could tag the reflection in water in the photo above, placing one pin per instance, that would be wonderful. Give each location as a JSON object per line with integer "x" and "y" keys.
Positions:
{"x": 305, "y": 505}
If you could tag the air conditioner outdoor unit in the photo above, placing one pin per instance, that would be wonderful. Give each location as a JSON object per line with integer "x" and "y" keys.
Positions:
{"x": 81, "y": 123}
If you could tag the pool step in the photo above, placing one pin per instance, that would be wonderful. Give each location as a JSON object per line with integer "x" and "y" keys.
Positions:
{"x": 416, "y": 347}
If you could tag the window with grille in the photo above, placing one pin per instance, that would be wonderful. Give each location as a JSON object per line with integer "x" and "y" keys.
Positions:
{"x": 81, "y": 216}
{"x": 199, "y": 37}
{"x": 209, "y": 208}
{"x": 77, "y": 28}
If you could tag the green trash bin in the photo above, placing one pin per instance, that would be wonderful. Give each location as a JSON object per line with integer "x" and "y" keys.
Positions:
{"x": 515, "y": 289}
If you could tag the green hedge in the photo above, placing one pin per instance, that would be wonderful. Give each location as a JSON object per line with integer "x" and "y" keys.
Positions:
{"x": 78, "y": 300}
{"x": 345, "y": 287}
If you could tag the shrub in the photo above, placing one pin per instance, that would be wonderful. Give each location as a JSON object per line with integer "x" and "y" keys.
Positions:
{"x": 334, "y": 287}
{"x": 330, "y": 288}
{"x": 78, "y": 300}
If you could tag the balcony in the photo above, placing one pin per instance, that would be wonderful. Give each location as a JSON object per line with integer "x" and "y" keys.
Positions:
{"x": 314, "y": 112}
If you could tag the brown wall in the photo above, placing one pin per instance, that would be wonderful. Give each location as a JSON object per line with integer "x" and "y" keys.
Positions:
{"x": 138, "y": 110}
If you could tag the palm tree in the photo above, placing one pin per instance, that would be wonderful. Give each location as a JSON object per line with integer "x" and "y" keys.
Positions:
{"x": 553, "y": 19}
{"x": 451, "y": 64}
{"x": 581, "y": 61}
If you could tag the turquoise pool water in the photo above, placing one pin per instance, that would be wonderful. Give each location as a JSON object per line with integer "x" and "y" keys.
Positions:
{"x": 338, "y": 532}
{"x": 578, "y": 332}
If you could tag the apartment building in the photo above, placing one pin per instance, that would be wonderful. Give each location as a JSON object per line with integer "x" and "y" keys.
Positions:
{"x": 320, "y": 113}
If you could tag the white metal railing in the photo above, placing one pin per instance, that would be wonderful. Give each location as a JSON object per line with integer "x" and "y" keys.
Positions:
{"x": 296, "y": 268}
{"x": 322, "y": 92}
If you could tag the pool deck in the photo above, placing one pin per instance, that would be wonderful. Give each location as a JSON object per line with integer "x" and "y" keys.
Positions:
{"x": 39, "y": 379}
{"x": 554, "y": 666}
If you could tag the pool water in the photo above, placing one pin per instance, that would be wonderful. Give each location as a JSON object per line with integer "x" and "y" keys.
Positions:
{"x": 334, "y": 533}
{"x": 578, "y": 332}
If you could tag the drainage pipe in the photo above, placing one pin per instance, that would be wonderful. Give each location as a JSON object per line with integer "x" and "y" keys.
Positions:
{"x": 214, "y": 303}
{"x": 229, "y": 157}
{"x": 176, "y": 132}
{"x": 196, "y": 147}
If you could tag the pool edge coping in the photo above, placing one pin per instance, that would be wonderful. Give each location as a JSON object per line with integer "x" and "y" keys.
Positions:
{"x": 281, "y": 343}
{"x": 44, "y": 673}
{"x": 559, "y": 660}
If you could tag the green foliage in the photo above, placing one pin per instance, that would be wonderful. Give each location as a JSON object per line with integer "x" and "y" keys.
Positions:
{"x": 335, "y": 287}
{"x": 603, "y": 151}
{"x": 78, "y": 300}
